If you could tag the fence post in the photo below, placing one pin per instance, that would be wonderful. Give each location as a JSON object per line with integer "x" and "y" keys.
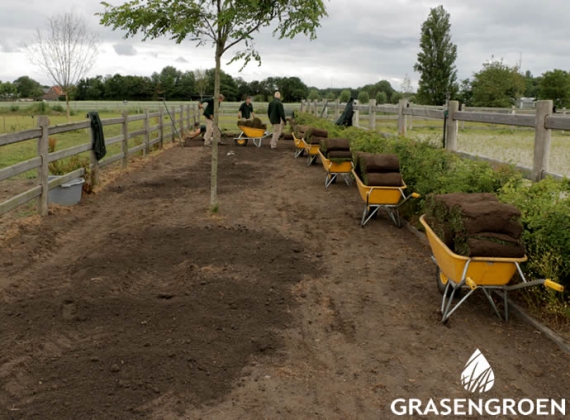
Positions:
{"x": 43, "y": 171}
{"x": 402, "y": 122}
{"x": 451, "y": 126}
{"x": 302, "y": 105}
{"x": 315, "y": 107}
{"x": 181, "y": 122}
{"x": 336, "y": 109}
{"x": 356, "y": 115}
{"x": 542, "y": 138}
{"x": 463, "y": 108}
{"x": 161, "y": 128}
{"x": 125, "y": 142}
{"x": 146, "y": 133}
{"x": 563, "y": 113}
{"x": 513, "y": 112}
{"x": 188, "y": 123}
{"x": 372, "y": 114}
{"x": 410, "y": 118}
{"x": 94, "y": 163}
{"x": 173, "y": 123}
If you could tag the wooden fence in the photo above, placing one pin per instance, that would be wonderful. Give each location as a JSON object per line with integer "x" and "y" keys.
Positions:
{"x": 542, "y": 119}
{"x": 183, "y": 117}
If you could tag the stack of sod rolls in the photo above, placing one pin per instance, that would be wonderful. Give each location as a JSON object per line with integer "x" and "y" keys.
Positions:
{"x": 255, "y": 123}
{"x": 378, "y": 170}
{"x": 315, "y": 135}
{"x": 336, "y": 149}
{"x": 476, "y": 225}
{"x": 300, "y": 131}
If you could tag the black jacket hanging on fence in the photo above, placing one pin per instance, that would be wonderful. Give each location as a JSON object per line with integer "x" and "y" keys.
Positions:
{"x": 97, "y": 134}
{"x": 346, "y": 116}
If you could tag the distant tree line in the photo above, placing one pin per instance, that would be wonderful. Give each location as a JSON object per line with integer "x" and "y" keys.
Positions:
{"x": 495, "y": 85}
{"x": 175, "y": 85}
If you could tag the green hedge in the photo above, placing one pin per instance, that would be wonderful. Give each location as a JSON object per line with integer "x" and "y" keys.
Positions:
{"x": 428, "y": 169}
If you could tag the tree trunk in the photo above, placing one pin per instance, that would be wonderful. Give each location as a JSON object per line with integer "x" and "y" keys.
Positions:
{"x": 214, "y": 176}
{"x": 67, "y": 104}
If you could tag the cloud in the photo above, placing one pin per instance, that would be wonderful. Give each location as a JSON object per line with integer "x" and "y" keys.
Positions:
{"x": 359, "y": 42}
{"x": 125, "y": 49}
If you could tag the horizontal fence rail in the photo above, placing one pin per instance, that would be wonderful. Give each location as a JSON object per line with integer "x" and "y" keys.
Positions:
{"x": 183, "y": 119}
{"x": 542, "y": 119}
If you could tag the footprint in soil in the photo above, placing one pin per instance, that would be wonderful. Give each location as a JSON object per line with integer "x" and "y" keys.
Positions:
{"x": 69, "y": 310}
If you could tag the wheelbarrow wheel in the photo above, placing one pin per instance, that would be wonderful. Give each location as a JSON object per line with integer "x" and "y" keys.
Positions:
{"x": 241, "y": 142}
{"x": 442, "y": 281}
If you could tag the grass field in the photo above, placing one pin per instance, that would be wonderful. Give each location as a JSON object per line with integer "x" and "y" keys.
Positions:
{"x": 499, "y": 142}
{"x": 19, "y": 152}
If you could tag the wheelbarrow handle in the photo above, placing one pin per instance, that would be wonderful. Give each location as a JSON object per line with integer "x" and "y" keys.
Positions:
{"x": 553, "y": 285}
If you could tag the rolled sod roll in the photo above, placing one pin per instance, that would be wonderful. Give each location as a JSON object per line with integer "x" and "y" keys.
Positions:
{"x": 474, "y": 247}
{"x": 386, "y": 179}
{"x": 300, "y": 131}
{"x": 333, "y": 144}
{"x": 314, "y": 140}
{"x": 378, "y": 163}
{"x": 316, "y": 132}
{"x": 340, "y": 154}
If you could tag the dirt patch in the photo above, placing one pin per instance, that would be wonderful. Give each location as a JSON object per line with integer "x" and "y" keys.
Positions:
{"x": 139, "y": 304}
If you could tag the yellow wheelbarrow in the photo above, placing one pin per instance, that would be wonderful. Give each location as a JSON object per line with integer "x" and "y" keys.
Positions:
{"x": 312, "y": 151}
{"x": 334, "y": 169}
{"x": 250, "y": 133}
{"x": 300, "y": 146}
{"x": 388, "y": 198}
{"x": 456, "y": 271}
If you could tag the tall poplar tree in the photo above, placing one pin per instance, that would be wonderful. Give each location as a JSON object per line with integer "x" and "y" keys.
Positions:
{"x": 436, "y": 60}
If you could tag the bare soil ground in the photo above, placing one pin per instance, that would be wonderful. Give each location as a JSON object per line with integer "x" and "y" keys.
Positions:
{"x": 136, "y": 304}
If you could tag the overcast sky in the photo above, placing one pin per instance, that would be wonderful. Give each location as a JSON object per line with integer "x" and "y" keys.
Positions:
{"x": 360, "y": 42}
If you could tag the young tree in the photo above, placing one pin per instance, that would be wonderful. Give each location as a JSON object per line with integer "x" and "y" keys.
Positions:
{"x": 224, "y": 23}
{"x": 344, "y": 95}
{"x": 555, "y": 85}
{"x": 407, "y": 88}
{"x": 66, "y": 53}
{"x": 7, "y": 90}
{"x": 381, "y": 98}
{"x": 497, "y": 85}
{"x": 363, "y": 97}
{"x": 465, "y": 94}
{"x": 313, "y": 94}
{"x": 386, "y": 87}
{"x": 436, "y": 60}
{"x": 27, "y": 87}
{"x": 201, "y": 82}
{"x": 396, "y": 96}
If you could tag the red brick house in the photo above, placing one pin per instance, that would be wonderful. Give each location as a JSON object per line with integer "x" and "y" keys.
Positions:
{"x": 53, "y": 93}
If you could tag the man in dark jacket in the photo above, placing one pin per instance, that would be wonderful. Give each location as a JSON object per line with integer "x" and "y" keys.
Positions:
{"x": 245, "y": 111}
{"x": 276, "y": 114}
{"x": 209, "y": 115}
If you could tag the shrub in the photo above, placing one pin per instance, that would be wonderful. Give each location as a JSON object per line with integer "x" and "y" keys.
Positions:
{"x": 428, "y": 169}
{"x": 57, "y": 108}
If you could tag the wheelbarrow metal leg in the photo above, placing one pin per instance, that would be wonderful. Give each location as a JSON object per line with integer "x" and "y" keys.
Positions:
{"x": 369, "y": 212}
{"x": 490, "y": 299}
{"x": 506, "y": 303}
{"x": 394, "y": 215}
{"x": 330, "y": 178}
